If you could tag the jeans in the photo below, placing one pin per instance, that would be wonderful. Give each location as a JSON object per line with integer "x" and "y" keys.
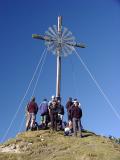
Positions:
{"x": 43, "y": 119}
{"x": 31, "y": 117}
{"x": 54, "y": 118}
{"x": 77, "y": 126}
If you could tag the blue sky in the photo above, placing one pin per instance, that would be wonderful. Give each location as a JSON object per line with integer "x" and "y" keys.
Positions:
{"x": 94, "y": 22}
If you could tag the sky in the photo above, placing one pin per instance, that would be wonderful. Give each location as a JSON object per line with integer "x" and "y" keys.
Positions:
{"x": 97, "y": 24}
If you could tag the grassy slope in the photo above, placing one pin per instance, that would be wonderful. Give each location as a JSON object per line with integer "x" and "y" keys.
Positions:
{"x": 44, "y": 145}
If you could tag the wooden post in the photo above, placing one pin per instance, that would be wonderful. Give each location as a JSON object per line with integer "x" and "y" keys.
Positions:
{"x": 58, "y": 79}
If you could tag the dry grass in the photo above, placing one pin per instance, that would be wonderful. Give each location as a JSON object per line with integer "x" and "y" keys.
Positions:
{"x": 44, "y": 145}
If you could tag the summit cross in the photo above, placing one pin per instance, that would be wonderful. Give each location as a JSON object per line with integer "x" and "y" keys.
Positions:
{"x": 61, "y": 42}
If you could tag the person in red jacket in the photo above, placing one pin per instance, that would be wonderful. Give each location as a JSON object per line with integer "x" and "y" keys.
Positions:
{"x": 32, "y": 109}
{"x": 76, "y": 114}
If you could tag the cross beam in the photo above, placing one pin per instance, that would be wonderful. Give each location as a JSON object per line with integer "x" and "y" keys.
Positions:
{"x": 46, "y": 38}
{"x": 58, "y": 51}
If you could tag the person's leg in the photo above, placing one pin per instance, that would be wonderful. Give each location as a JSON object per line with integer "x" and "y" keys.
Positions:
{"x": 79, "y": 127}
{"x": 55, "y": 121}
{"x": 52, "y": 121}
{"x": 30, "y": 121}
{"x": 69, "y": 116}
{"x": 74, "y": 127}
{"x": 45, "y": 121}
{"x": 61, "y": 121}
{"x": 42, "y": 119}
{"x": 42, "y": 122}
{"x": 27, "y": 121}
{"x": 33, "y": 117}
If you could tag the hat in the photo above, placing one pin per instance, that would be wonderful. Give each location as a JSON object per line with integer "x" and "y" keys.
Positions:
{"x": 75, "y": 99}
{"x": 70, "y": 98}
{"x": 53, "y": 97}
{"x": 44, "y": 99}
{"x": 76, "y": 102}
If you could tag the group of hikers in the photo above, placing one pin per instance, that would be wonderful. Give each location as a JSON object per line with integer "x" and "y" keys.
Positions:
{"x": 52, "y": 112}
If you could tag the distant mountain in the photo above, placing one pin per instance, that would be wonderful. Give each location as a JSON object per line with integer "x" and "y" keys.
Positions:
{"x": 46, "y": 145}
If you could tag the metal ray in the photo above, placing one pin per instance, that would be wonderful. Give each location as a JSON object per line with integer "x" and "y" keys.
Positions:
{"x": 52, "y": 31}
{"x": 64, "y": 31}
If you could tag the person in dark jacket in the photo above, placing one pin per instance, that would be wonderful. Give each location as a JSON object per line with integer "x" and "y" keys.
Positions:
{"x": 76, "y": 114}
{"x": 60, "y": 113}
{"x": 69, "y": 105}
{"x": 53, "y": 112}
{"x": 32, "y": 109}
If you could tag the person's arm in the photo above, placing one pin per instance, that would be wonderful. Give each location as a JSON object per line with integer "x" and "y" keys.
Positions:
{"x": 80, "y": 111}
{"x": 49, "y": 109}
{"x": 66, "y": 105}
{"x": 36, "y": 108}
{"x": 27, "y": 107}
{"x": 71, "y": 113}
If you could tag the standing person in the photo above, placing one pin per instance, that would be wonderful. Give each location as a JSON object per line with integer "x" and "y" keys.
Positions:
{"x": 43, "y": 109}
{"x": 69, "y": 105}
{"x": 32, "y": 109}
{"x": 60, "y": 113}
{"x": 76, "y": 114}
{"x": 53, "y": 111}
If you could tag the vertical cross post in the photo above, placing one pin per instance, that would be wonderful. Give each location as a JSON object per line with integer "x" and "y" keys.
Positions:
{"x": 58, "y": 78}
